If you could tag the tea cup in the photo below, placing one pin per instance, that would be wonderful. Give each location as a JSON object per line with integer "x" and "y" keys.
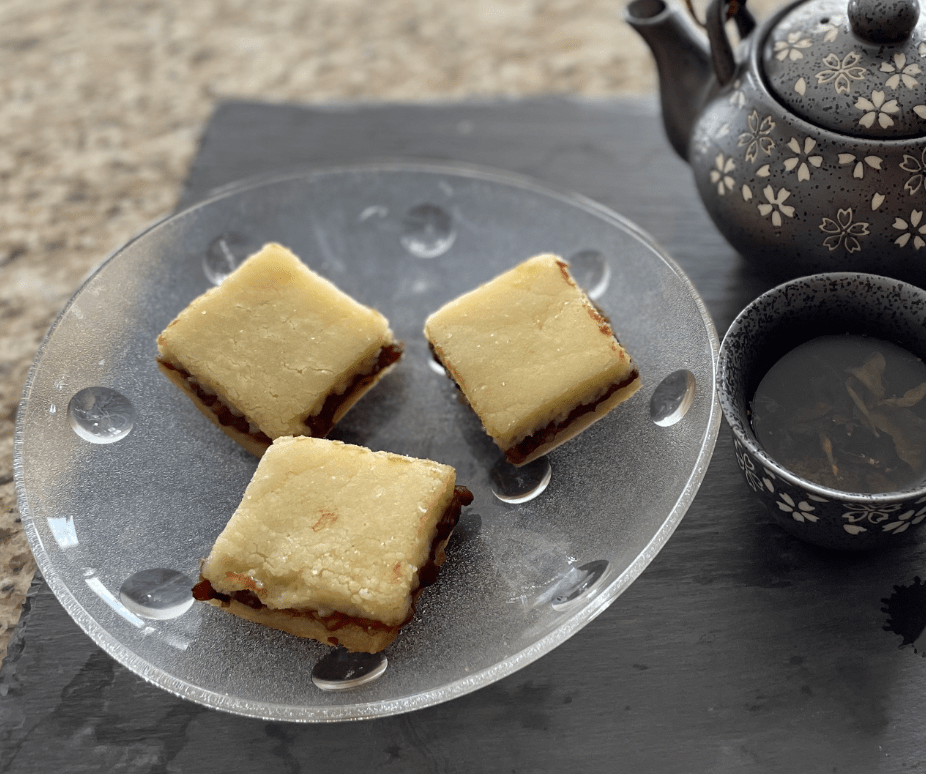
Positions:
{"x": 774, "y": 324}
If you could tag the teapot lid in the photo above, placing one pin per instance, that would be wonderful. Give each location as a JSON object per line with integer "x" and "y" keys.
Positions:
{"x": 858, "y": 70}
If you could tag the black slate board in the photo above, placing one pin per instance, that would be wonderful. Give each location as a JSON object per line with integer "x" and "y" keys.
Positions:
{"x": 739, "y": 649}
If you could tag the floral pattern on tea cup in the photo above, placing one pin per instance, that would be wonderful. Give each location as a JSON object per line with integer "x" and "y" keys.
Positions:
{"x": 775, "y": 323}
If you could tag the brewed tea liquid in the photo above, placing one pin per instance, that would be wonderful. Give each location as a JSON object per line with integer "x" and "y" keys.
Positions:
{"x": 847, "y": 412}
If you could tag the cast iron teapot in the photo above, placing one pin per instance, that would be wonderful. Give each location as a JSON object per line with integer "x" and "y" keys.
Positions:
{"x": 807, "y": 144}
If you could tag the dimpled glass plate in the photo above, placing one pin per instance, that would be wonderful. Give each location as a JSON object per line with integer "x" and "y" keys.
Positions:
{"x": 124, "y": 485}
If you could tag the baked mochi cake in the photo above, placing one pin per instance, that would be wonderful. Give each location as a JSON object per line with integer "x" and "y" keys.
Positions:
{"x": 276, "y": 350}
{"x": 334, "y": 542}
{"x": 533, "y": 356}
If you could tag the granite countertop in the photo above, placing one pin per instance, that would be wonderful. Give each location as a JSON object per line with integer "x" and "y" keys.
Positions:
{"x": 102, "y": 104}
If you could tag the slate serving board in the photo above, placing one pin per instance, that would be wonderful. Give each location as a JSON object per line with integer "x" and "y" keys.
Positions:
{"x": 739, "y": 649}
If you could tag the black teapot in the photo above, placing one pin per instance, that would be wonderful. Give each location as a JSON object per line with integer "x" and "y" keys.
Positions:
{"x": 808, "y": 140}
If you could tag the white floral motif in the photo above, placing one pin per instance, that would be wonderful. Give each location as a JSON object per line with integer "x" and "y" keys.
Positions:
{"x": 905, "y": 521}
{"x": 748, "y": 467}
{"x": 753, "y": 477}
{"x": 799, "y": 511}
{"x": 916, "y": 168}
{"x": 922, "y": 49}
{"x": 902, "y": 72}
{"x": 720, "y": 174}
{"x": 757, "y": 138}
{"x": 873, "y": 513}
{"x": 702, "y": 144}
{"x": 831, "y": 29}
{"x": 843, "y": 231}
{"x": 747, "y": 193}
{"x": 842, "y": 73}
{"x": 768, "y": 479}
{"x": 859, "y": 172}
{"x": 920, "y": 110}
{"x": 737, "y": 97}
{"x": 911, "y": 230}
{"x": 803, "y": 171}
{"x": 776, "y": 205}
{"x": 790, "y": 48}
{"x": 877, "y": 109}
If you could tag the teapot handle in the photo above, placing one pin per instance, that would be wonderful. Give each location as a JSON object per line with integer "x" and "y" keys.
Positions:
{"x": 718, "y": 13}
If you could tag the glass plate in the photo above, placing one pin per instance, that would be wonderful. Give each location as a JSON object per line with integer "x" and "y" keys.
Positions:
{"x": 123, "y": 485}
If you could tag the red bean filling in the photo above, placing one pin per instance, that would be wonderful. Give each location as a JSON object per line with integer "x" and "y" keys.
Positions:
{"x": 520, "y": 451}
{"x": 319, "y": 425}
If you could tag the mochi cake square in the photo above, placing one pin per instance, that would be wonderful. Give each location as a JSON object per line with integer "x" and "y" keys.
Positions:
{"x": 334, "y": 542}
{"x": 276, "y": 350}
{"x": 535, "y": 359}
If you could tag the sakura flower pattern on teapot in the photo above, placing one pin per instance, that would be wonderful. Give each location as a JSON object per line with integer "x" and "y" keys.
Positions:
{"x": 814, "y": 153}
{"x": 807, "y": 140}
{"x": 817, "y": 65}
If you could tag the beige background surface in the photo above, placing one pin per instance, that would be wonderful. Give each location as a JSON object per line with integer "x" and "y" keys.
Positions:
{"x": 102, "y": 103}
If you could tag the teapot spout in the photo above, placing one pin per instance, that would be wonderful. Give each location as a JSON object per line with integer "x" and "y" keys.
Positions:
{"x": 683, "y": 61}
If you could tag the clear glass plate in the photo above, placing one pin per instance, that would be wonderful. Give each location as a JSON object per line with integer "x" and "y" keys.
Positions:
{"x": 123, "y": 485}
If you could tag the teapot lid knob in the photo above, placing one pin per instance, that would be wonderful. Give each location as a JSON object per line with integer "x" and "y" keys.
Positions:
{"x": 823, "y": 58}
{"x": 883, "y": 22}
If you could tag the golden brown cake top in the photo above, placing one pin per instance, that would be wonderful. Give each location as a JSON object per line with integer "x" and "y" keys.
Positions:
{"x": 274, "y": 340}
{"x": 329, "y": 526}
{"x": 527, "y": 347}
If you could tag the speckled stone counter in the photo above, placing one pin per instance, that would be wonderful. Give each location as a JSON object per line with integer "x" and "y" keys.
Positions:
{"x": 102, "y": 104}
